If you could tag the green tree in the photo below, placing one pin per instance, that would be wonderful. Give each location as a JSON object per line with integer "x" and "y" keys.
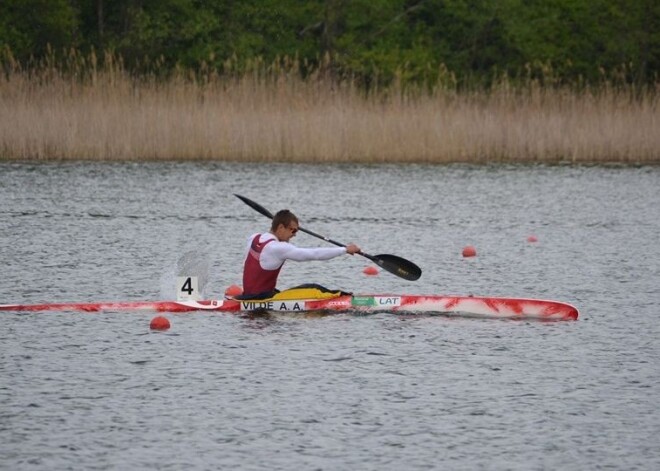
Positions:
{"x": 377, "y": 40}
{"x": 29, "y": 27}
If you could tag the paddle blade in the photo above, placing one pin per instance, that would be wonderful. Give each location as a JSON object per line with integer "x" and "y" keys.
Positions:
{"x": 398, "y": 266}
{"x": 256, "y": 206}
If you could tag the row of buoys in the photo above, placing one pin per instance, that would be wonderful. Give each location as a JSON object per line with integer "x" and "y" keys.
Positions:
{"x": 470, "y": 251}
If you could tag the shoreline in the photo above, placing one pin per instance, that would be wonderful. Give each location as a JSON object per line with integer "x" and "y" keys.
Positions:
{"x": 501, "y": 163}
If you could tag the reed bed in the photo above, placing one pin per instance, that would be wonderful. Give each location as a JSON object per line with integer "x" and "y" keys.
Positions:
{"x": 275, "y": 115}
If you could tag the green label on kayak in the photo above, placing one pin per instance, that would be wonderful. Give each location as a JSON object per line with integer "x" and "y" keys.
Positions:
{"x": 363, "y": 301}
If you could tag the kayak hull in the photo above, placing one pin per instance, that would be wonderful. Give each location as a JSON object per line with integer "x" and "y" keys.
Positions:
{"x": 492, "y": 307}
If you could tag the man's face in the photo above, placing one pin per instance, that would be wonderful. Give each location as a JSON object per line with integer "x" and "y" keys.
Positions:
{"x": 286, "y": 233}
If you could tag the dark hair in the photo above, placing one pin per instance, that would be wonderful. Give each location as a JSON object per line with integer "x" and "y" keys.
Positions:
{"x": 284, "y": 217}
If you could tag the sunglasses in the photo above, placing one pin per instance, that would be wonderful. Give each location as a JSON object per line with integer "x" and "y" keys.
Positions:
{"x": 293, "y": 229}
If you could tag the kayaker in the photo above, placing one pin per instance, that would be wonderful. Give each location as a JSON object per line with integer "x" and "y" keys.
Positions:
{"x": 267, "y": 252}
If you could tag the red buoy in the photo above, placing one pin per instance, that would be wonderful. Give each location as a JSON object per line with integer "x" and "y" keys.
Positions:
{"x": 469, "y": 251}
{"x": 159, "y": 323}
{"x": 233, "y": 290}
{"x": 532, "y": 238}
{"x": 370, "y": 271}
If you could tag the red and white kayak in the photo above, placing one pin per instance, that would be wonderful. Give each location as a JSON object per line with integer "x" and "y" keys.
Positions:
{"x": 471, "y": 306}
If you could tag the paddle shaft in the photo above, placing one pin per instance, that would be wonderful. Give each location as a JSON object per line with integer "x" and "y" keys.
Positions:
{"x": 339, "y": 244}
{"x": 392, "y": 263}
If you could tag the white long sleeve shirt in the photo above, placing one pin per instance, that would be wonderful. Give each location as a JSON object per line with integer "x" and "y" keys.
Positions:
{"x": 276, "y": 253}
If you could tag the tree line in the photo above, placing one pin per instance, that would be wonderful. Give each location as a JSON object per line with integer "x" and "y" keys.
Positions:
{"x": 422, "y": 41}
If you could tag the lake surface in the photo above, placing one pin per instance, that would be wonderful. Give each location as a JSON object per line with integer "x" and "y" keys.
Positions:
{"x": 343, "y": 392}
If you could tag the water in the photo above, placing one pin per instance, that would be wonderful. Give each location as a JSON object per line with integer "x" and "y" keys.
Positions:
{"x": 217, "y": 391}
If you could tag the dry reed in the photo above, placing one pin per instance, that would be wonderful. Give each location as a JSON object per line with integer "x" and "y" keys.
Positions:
{"x": 102, "y": 112}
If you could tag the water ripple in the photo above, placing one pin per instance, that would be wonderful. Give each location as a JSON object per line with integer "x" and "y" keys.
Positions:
{"x": 217, "y": 391}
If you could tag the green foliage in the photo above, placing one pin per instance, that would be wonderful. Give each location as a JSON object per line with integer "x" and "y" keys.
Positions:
{"x": 28, "y": 27}
{"x": 378, "y": 41}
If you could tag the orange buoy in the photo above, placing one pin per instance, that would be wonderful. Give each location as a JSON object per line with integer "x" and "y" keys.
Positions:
{"x": 370, "y": 271}
{"x": 159, "y": 323}
{"x": 469, "y": 251}
{"x": 532, "y": 238}
{"x": 233, "y": 290}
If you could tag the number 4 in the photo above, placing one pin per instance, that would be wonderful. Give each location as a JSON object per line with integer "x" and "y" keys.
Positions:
{"x": 187, "y": 286}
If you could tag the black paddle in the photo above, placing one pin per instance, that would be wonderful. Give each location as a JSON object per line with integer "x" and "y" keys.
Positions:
{"x": 399, "y": 266}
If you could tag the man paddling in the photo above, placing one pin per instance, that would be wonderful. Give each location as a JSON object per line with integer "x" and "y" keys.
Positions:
{"x": 267, "y": 252}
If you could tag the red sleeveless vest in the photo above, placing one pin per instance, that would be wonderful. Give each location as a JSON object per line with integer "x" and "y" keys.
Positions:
{"x": 255, "y": 279}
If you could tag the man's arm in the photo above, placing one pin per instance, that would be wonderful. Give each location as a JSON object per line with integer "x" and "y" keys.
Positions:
{"x": 299, "y": 254}
{"x": 276, "y": 253}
